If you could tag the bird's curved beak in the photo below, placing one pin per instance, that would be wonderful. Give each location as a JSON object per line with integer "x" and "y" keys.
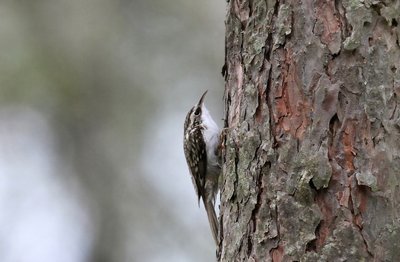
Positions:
{"x": 202, "y": 99}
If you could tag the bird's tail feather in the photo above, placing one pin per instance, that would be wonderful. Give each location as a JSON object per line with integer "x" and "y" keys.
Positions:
{"x": 212, "y": 219}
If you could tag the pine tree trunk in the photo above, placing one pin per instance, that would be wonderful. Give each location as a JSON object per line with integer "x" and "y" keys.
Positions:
{"x": 312, "y": 145}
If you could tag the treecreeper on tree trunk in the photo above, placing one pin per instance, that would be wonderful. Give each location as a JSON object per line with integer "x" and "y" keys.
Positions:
{"x": 201, "y": 144}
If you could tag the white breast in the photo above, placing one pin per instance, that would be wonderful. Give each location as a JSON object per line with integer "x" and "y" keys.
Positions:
{"x": 211, "y": 136}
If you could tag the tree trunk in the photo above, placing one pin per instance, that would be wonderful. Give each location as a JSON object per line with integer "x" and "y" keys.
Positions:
{"x": 312, "y": 145}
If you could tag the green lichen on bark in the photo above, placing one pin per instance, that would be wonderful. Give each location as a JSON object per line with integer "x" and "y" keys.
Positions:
{"x": 249, "y": 143}
{"x": 391, "y": 12}
{"x": 312, "y": 155}
{"x": 305, "y": 172}
{"x": 251, "y": 96}
{"x": 367, "y": 179}
{"x": 357, "y": 15}
{"x": 229, "y": 179}
{"x": 297, "y": 218}
{"x": 348, "y": 248}
{"x": 283, "y": 24}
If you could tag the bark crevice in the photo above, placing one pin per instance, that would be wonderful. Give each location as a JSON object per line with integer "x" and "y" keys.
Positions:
{"x": 312, "y": 103}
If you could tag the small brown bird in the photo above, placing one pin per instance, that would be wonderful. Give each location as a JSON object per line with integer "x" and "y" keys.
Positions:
{"x": 201, "y": 143}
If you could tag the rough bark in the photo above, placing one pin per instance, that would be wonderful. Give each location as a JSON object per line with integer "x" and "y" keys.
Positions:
{"x": 312, "y": 145}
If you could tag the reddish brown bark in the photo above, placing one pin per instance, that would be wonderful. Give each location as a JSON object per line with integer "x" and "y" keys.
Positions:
{"x": 312, "y": 149}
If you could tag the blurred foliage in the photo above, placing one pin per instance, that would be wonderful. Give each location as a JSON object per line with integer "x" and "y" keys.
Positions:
{"x": 101, "y": 72}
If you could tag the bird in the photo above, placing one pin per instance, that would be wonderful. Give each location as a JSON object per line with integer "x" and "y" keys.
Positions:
{"x": 201, "y": 145}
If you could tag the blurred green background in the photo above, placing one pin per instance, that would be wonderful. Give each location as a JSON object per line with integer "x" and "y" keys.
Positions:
{"x": 93, "y": 95}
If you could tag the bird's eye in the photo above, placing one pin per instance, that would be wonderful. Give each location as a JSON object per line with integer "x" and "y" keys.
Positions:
{"x": 197, "y": 112}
